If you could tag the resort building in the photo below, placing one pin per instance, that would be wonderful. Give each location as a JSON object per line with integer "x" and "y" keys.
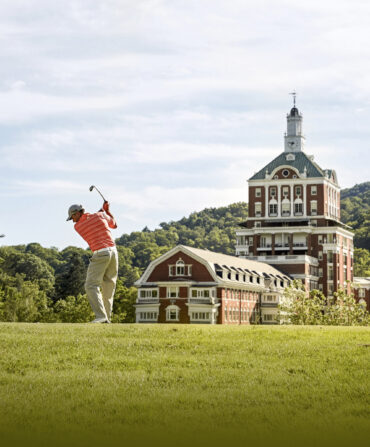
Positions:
{"x": 294, "y": 218}
{"x": 361, "y": 289}
{"x": 190, "y": 285}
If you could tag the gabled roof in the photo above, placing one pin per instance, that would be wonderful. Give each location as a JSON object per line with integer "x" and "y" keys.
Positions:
{"x": 232, "y": 261}
{"x": 214, "y": 261}
{"x": 300, "y": 162}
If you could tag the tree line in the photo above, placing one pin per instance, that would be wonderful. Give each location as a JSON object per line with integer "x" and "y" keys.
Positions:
{"x": 46, "y": 284}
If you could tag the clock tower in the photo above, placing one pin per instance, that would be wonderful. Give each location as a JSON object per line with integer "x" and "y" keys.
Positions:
{"x": 294, "y": 140}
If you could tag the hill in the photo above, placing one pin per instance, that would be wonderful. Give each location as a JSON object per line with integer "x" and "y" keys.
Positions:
{"x": 355, "y": 212}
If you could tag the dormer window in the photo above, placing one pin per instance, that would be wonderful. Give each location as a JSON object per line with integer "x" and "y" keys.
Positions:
{"x": 290, "y": 157}
{"x": 179, "y": 269}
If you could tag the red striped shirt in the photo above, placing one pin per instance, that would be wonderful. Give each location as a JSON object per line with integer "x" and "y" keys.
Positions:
{"x": 94, "y": 229}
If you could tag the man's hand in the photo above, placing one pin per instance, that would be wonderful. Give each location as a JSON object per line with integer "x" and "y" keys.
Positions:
{"x": 106, "y": 207}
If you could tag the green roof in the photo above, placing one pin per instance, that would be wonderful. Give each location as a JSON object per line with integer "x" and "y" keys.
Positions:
{"x": 300, "y": 162}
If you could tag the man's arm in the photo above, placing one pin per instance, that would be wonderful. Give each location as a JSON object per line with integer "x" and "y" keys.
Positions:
{"x": 112, "y": 223}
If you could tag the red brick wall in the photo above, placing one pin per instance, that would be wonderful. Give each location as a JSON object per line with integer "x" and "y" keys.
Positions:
{"x": 161, "y": 271}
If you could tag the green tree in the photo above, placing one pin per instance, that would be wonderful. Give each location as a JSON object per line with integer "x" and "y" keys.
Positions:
{"x": 361, "y": 262}
{"x": 73, "y": 309}
{"x": 71, "y": 278}
{"x": 123, "y": 305}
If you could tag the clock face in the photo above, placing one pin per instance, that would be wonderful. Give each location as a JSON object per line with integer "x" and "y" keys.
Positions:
{"x": 292, "y": 144}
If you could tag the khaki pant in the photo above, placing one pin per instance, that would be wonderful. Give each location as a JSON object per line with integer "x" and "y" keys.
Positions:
{"x": 101, "y": 282}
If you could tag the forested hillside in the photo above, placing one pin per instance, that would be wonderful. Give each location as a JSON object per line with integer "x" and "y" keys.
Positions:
{"x": 45, "y": 284}
{"x": 355, "y": 212}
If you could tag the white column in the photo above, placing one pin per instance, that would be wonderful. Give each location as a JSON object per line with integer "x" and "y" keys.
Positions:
{"x": 291, "y": 200}
{"x": 279, "y": 199}
{"x": 266, "y": 200}
{"x": 304, "y": 193}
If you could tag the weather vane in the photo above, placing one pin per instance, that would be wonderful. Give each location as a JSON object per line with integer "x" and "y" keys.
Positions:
{"x": 294, "y": 96}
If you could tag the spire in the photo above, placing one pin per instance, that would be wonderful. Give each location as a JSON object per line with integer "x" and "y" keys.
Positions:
{"x": 294, "y": 138}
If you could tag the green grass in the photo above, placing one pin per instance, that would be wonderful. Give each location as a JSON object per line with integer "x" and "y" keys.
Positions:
{"x": 183, "y": 385}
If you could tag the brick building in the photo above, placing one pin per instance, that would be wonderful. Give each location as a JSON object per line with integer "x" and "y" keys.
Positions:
{"x": 294, "y": 218}
{"x": 361, "y": 289}
{"x": 189, "y": 285}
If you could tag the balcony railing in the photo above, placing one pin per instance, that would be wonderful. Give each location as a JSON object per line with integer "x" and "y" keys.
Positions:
{"x": 203, "y": 300}
{"x": 147, "y": 300}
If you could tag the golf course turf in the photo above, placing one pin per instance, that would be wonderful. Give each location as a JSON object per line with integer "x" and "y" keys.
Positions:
{"x": 81, "y": 384}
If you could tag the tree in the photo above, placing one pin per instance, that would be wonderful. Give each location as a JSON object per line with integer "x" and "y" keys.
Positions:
{"x": 123, "y": 305}
{"x": 73, "y": 309}
{"x": 361, "y": 262}
{"x": 300, "y": 307}
{"x": 71, "y": 279}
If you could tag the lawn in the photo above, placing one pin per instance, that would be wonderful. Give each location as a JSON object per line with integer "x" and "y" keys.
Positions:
{"x": 80, "y": 384}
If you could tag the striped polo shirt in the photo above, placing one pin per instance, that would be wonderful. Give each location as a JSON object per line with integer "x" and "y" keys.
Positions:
{"x": 94, "y": 229}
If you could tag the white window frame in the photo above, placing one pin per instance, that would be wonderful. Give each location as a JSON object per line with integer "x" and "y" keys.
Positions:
{"x": 258, "y": 209}
{"x": 258, "y": 192}
{"x": 169, "y": 312}
{"x": 174, "y": 290}
{"x": 148, "y": 293}
{"x": 148, "y": 316}
{"x": 313, "y": 207}
{"x": 313, "y": 190}
{"x": 201, "y": 316}
{"x": 202, "y": 292}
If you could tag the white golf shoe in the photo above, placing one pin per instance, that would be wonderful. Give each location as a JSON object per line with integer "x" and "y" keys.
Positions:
{"x": 100, "y": 320}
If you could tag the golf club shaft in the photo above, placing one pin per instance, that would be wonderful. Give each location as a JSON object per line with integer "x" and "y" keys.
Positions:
{"x": 101, "y": 195}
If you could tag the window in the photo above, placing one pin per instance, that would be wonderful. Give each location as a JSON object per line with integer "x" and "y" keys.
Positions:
{"x": 361, "y": 293}
{"x": 320, "y": 272}
{"x": 172, "y": 313}
{"x": 202, "y": 316}
{"x": 258, "y": 192}
{"x": 180, "y": 269}
{"x": 298, "y": 191}
{"x": 273, "y": 192}
{"x": 202, "y": 293}
{"x": 285, "y": 191}
{"x": 330, "y": 256}
{"x": 320, "y": 255}
{"x": 313, "y": 207}
{"x": 257, "y": 209}
{"x": 298, "y": 208}
{"x": 172, "y": 292}
{"x": 268, "y": 317}
{"x": 313, "y": 190}
{"x": 148, "y": 293}
{"x": 320, "y": 238}
{"x": 285, "y": 173}
{"x": 273, "y": 209}
{"x": 250, "y": 241}
{"x": 257, "y": 224}
{"x": 285, "y": 208}
{"x": 314, "y": 223}
{"x": 148, "y": 316}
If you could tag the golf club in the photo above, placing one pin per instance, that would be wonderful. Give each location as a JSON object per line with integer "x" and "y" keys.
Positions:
{"x": 92, "y": 187}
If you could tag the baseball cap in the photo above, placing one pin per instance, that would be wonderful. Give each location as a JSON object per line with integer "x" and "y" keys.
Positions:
{"x": 73, "y": 209}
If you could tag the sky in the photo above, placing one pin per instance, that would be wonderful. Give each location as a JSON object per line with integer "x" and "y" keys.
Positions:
{"x": 169, "y": 106}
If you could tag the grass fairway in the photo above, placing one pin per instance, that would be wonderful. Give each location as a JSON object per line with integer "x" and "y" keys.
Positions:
{"x": 76, "y": 384}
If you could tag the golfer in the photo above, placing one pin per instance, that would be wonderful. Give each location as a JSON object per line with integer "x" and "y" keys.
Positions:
{"x": 103, "y": 268}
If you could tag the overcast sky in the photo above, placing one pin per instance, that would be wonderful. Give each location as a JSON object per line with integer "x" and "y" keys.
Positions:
{"x": 169, "y": 106}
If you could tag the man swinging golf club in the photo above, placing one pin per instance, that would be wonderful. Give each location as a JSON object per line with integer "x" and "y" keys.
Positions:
{"x": 103, "y": 268}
